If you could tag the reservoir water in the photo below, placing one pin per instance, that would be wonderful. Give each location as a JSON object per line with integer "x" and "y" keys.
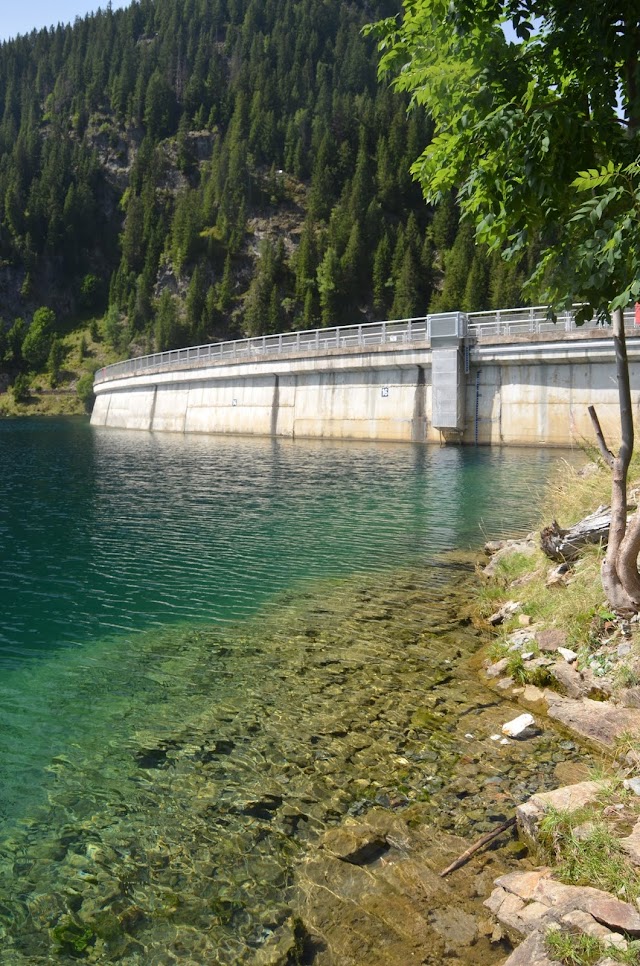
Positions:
{"x": 193, "y": 630}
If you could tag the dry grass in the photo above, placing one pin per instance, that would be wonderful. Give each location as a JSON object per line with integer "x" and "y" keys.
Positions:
{"x": 576, "y": 492}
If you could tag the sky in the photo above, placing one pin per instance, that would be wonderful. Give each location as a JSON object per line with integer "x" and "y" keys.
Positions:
{"x": 21, "y": 16}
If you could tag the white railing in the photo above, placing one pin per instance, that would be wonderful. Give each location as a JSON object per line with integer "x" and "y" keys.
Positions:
{"x": 312, "y": 341}
{"x": 475, "y": 326}
{"x": 533, "y": 320}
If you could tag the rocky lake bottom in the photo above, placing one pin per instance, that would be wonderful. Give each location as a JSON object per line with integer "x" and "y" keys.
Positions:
{"x": 183, "y": 826}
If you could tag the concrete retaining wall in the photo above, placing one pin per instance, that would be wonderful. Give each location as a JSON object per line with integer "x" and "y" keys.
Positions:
{"x": 388, "y": 404}
{"x": 518, "y": 392}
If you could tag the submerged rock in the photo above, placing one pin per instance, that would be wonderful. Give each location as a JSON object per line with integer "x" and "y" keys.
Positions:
{"x": 395, "y": 911}
{"x": 358, "y": 844}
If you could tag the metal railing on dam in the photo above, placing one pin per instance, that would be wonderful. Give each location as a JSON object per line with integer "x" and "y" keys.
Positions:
{"x": 474, "y": 326}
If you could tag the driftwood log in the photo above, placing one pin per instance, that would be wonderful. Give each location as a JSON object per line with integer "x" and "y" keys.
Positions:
{"x": 565, "y": 545}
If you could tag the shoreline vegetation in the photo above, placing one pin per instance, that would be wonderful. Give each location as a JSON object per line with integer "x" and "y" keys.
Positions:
{"x": 65, "y": 389}
{"x": 563, "y": 654}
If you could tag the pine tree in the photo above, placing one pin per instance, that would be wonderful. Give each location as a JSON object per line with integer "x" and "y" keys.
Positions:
{"x": 54, "y": 361}
{"x": 444, "y": 223}
{"x": 196, "y": 300}
{"x": 406, "y": 289}
{"x": 159, "y": 106}
{"x": 458, "y": 263}
{"x": 381, "y": 280}
{"x": 166, "y": 322}
{"x": 475, "y": 296}
{"x": 225, "y": 288}
{"x": 354, "y": 265}
{"x": 328, "y": 283}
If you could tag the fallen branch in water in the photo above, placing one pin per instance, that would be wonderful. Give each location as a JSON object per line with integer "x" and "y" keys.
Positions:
{"x": 464, "y": 858}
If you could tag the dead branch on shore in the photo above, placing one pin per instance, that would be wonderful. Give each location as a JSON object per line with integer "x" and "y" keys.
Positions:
{"x": 564, "y": 545}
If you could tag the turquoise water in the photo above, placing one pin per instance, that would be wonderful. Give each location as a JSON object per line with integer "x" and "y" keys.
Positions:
{"x": 112, "y": 532}
{"x": 150, "y": 583}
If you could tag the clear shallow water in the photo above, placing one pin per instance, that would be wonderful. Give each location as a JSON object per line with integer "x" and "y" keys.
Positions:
{"x": 121, "y": 553}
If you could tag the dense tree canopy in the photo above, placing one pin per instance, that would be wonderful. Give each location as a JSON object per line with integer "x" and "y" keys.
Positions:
{"x": 540, "y": 137}
{"x": 172, "y": 144}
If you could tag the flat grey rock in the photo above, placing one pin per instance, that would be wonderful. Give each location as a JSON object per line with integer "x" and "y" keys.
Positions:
{"x": 551, "y": 639}
{"x": 600, "y": 722}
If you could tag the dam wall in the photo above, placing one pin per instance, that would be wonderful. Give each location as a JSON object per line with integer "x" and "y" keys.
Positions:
{"x": 527, "y": 389}
{"x": 344, "y": 395}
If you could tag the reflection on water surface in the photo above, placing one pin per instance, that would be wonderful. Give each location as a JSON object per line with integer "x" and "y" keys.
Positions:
{"x": 210, "y": 649}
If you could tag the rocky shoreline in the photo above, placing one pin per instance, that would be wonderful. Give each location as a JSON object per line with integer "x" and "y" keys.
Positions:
{"x": 303, "y": 812}
{"x": 371, "y": 889}
{"x": 587, "y": 695}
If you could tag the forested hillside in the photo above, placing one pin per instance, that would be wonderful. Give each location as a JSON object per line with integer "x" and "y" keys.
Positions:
{"x": 188, "y": 170}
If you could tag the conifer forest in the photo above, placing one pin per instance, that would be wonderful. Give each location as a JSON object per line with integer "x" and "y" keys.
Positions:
{"x": 183, "y": 171}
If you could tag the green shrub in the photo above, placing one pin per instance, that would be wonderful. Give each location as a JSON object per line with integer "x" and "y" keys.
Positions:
{"x": 20, "y": 388}
{"x": 37, "y": 341}
{"x": 84, "y": 390}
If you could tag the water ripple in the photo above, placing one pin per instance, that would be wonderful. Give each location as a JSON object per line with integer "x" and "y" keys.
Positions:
{"x": 107, "y": 534}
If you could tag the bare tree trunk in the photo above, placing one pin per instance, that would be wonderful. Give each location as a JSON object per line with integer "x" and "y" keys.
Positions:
{"x": 619, "y": 571}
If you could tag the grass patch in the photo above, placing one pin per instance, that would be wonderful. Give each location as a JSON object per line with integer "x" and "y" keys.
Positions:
{"x": 513, "y": 566}
{"x": 576, "y": 491}
{"x": 626, "y": 677}
{"x": 517, "y": 668}
{"x": 573, "y": 607}
{"x": 573, "y": 949}
{"x": 523, "y": 672}
{"x": 498, "y": 649}
{"x": 593, "y": 857}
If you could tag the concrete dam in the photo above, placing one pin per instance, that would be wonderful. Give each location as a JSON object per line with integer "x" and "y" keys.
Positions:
{"x": 510, "y": 377}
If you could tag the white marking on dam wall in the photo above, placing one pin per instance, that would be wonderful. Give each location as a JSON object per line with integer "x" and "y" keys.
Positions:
{"x": 523, "y": 389}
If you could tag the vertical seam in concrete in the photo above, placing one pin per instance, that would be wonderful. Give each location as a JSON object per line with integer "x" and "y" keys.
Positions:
{"x": 152, "y": 414}
{"x": 499, "y": 381}
{"x": 275, "y": 406}
{"x": 419, "y": 422}
{"x": 294, "y": 392}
